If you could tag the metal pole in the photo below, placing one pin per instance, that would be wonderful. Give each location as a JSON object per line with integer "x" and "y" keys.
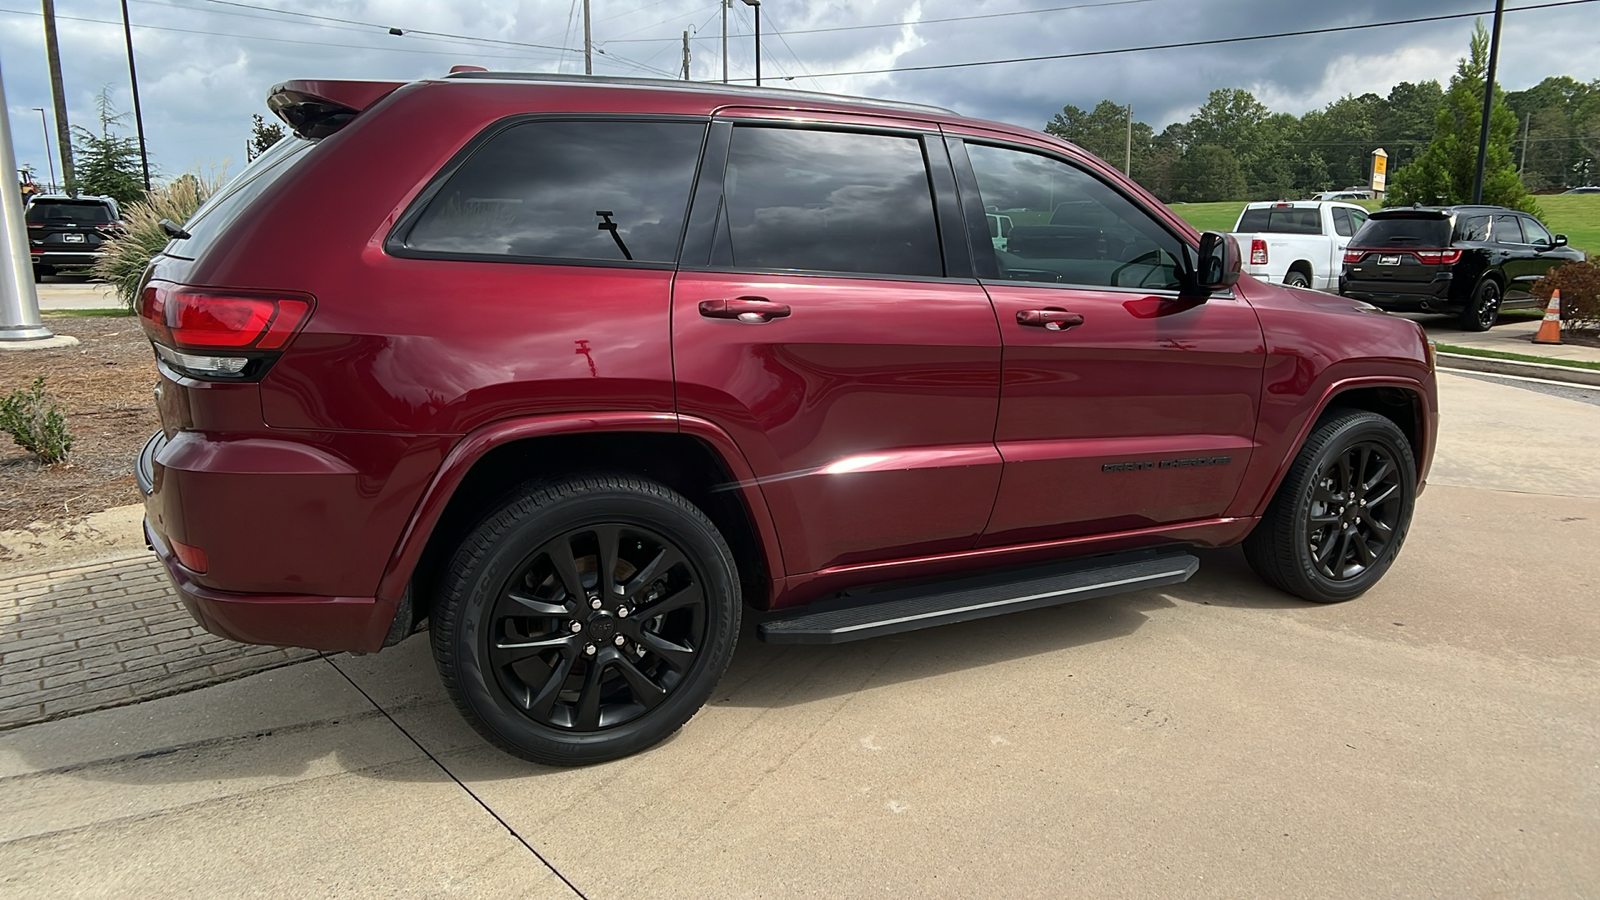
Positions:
{"x": 47, "y": 157}
{"x": 725, "y": 40}
{"x": 758, "y": 45}
{"x": 133, "y": 77}
{"x": 1488, "y": 101}
{"x": 1127, "y": 156}
{"x": 1526, "y": 121}
{"x": 19, "y": 302}
{"x": 57, "y": 91}
{"x": 588, "y": 42}
{"x": 686, "y": 56}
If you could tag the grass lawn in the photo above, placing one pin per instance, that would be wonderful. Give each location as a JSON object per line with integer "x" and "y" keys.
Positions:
{"x": 1575, "y": 215}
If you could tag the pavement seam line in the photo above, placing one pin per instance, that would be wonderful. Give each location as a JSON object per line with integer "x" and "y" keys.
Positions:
{"x": 459, "y": 783}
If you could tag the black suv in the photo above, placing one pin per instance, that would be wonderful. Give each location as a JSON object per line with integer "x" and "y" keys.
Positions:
{"x": 1471, "y": 261}
{"x": 68, "y": 232}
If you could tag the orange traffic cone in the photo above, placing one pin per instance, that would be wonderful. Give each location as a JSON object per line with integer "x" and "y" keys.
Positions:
{"x": 1550, "y": 329}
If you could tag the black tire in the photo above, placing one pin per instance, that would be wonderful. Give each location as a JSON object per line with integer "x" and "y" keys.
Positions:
{"x": 42, "y": 272}
{"x": 1484, "y": 310}
{"x": 661, "y": 637}
{"x": 1341, "y": 514}
{"x": 1297, "y": 278}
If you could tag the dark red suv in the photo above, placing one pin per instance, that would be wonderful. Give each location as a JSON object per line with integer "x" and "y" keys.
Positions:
{"x": 579, "y": 369}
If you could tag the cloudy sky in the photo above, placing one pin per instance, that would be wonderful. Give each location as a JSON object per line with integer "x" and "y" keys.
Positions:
{"x": 205, "y": 65}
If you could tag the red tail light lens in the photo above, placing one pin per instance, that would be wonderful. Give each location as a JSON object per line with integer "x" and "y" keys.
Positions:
{"x": 1439, "y": 257}
{"x": 1354, "y": 256}
{"x": 205, "y": 319}
{"x": 1258, "y": 252}
{"x": 193, "y": 558}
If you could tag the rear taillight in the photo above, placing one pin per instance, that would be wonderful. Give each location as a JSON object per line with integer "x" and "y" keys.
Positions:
{"x": 1258, "y": 252}
{"x": 1438, "y": 257}
{"x": 220, "y": 334}
{"x": 1354, "y": 256}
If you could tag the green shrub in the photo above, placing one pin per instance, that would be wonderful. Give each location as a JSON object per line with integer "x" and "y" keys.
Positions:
{"x": 1579, "y": 284}
{"x": 126, "y": 256}
{"x": 36, "y": 424}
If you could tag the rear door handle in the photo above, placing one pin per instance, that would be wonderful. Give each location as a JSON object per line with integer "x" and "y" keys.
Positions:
{"x": 753, "y": 310}
{"x": 1051, "y": 319}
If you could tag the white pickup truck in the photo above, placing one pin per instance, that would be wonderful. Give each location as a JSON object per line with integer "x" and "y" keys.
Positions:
{"x": 1297, "y": 242}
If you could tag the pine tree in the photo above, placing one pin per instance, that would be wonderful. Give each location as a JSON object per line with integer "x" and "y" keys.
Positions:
{"x": 262, "y": 137}
{"x": 1444, "y": 173}
{"x": 107, "y": 163}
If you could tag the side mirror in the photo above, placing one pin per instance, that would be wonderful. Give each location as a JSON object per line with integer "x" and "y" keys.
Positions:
{"x": 1220, "y": 262}
{"x": 1561, "y": 241}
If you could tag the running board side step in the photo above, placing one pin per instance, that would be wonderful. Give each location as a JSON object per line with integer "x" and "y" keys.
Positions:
{"x": 966, "y": 599}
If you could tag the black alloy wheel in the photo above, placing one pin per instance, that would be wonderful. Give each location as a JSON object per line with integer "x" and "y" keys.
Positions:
{"x": 1484, "y": 310}
{"x": 1340, "y": 516}
{"x": 587, "y": 619}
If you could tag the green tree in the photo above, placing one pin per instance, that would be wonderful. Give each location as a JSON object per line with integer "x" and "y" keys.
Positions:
{"x": 1405, "y": 121}
{"x": 1207, "y": 173}
{"x": 262, "y": 137}
{"x": 1444, "y": 173}
{"x": 1104, "y": 132}
{"x": 107, "y": 163}
{"x": 1559, "y": 115}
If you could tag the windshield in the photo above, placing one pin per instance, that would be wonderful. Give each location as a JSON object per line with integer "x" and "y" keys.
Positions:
{"x": 61, "y": 212}
{"x": 1404, "y": 231}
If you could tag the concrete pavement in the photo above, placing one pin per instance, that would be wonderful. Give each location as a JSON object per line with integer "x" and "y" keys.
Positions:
{"x": 1435, "y": 738}
{"x": 75, "y": 292}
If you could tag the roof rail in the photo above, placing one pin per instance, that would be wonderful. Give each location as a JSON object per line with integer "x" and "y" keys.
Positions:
{"x": 695, "y": 87}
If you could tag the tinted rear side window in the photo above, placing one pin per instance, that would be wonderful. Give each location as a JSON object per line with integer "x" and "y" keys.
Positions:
{"x": 77, "y": 212}
{"x": 1507, "y": 230}
{"x": 1473, "y": 228}
{"x": 1341, "y": 222}
{"x": 1281, "y": 221}
{"x": 583, "y": 190}
{"x": 828, "y": 201}
{"x": 227, "y": 204}
{"x": 1404, "y": 232}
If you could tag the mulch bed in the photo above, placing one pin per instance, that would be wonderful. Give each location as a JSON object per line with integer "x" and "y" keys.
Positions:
{"x": 104, "y": 385}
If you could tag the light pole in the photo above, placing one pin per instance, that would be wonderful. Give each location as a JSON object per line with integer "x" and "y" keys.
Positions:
{"x": 19, "y": 302}
{"x": 133, "y": 77}
{"x": 756, "y": 5}
{"x": 47, "y": 157}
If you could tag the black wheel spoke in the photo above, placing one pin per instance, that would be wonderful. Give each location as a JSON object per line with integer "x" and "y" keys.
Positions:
{"x": 647, "y": 692}
{"x": 535, "y": 607}
{"x": 566, "y": 565}
{"x": 660, "y": 564}
{"x": 588, "y": 711}
{"x": 685, "y": 597}
{"x": 1344, "y": 476}
{"x": 1383, "y": 496}
{"x": 1363, "y": 552}
{"x": 1319, "y": 521}
{"x": 542, "y": 703}
{"x": 609, "y": 537}
{"x": 1383, "y": 472}
{"x": 511, "y": 651}
{"x": 678, "y": 657}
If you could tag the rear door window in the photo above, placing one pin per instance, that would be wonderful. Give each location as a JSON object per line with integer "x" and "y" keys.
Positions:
{"x": 827, "y": 201}
{"x": 592, "y": 190}
{"x": 1473, "y": 229}
{"x": 1536, "y": 233}
{"x": 1404, "y": 231}
{"x": 1507, "y": 230}
{"x": 1341, "y": 222}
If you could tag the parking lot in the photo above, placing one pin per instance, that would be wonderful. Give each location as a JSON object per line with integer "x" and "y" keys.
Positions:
{"x": 1436, "y": 738}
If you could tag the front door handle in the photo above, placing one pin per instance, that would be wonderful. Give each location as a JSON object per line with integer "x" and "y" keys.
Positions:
{"x": 1052, "y": 319}
{"x": 753, "y": 310}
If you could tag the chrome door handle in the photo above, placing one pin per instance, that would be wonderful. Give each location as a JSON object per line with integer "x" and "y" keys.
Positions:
{"x": 1051, "y": 319}
{"x": 751, "y": 310}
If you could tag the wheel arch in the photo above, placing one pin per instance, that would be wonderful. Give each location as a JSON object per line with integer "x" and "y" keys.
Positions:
{"x": 1303, "y": 266}
{"x": 693, "y": 457}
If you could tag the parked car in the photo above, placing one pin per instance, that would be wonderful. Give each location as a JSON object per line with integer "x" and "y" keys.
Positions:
{"x": 583, "y": 370}
{"x": 1586, "y": 189}
{"x": 1299, "y": 243}
{"x": 69, "y": 232}
{"x": 1467, "y": 261}
{"x": 1343, "y": 195}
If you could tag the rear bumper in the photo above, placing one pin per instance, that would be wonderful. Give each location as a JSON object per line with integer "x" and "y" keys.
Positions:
{"x": 355, "y": 624}
{"x": 1418, "y": 296}
{"x": 64, "y": 258}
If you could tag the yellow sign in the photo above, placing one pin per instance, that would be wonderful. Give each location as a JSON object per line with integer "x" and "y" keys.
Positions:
{"x": 1380, "y": 169}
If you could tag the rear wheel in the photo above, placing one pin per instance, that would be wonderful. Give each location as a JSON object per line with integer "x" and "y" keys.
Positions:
{"x": 586, "y": 619}
{"x": 40, "y": 272}
{"x": 1484, "y": 310}
{"x": 1297, "y": 279}
{"x": 1341, "y": 514}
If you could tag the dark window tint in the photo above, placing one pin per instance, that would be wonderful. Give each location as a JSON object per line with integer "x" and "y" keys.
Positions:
{"x": 1507, "y": 230}
{"x": 1281, "y": 221}
{"x": 1341, "y": 222}
{"x": 828, "y": 201}
{"x": 1069, "y": 227}
{"x": 1535, "y": 233}
{"x": 228, "y": 204}
{"x": 1403, "y": 231}
{"x": 1473, "y": 228}
{"x": 595, "y": 190}
{"x": 75, "y": 212}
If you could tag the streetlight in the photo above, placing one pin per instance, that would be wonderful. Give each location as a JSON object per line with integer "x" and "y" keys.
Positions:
{"x": 47, "y": 157}
{"x": 756, "y": 4}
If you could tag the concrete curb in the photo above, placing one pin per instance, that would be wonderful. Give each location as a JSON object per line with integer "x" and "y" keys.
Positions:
{"x": 1546, "y": 371}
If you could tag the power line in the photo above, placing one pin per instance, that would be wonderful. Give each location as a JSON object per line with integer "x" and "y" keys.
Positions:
{"x": 446, "y": 34}
{"x": 1176, "y": 46}
{"x": 1022, "y": 12}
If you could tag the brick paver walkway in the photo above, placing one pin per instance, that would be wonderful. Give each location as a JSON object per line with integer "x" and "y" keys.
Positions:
{"x": 85, "y": 638}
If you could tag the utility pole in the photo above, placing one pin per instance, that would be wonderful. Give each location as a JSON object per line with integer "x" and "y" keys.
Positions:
{"x": 19, "y": 302}
{"x": 756, "y": 5}
{"x": 1523, "y": 166}
{"x": 1488, "y": 101}
{"x": 133, "y": 77}
{"x": 724, "y": 5}
{"x": 588, "y": 42}
{"x": 63, "y": 130}
{"x": 45, "y": 127}
{"x": 1127, "y": 156}
{"x": 686, "y": 56}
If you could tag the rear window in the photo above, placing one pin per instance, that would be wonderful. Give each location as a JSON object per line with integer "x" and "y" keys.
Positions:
{"x": 77, "y": 212}
{"x": 226, "y": 205}
{"x": 1281, "y": 221}
{"x": 1403, "y": 231}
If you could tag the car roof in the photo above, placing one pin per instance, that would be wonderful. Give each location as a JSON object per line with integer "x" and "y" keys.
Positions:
{"x": 1442, "y": 212}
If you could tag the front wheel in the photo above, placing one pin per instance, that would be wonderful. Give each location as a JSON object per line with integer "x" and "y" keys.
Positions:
{"x": 1484, "y": 309}
{"x": 1341, "y": 514}
{"x": 587, "y": 619}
